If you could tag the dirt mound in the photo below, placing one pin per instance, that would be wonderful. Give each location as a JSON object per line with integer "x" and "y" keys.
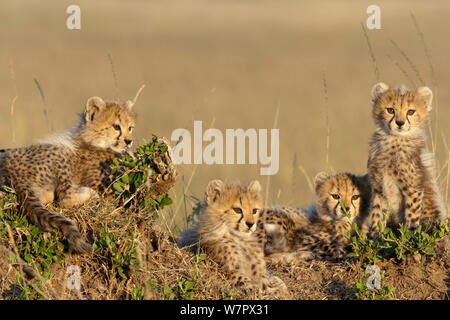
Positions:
{"x": 412, "y": 280}
{"x": 164, "y": 271}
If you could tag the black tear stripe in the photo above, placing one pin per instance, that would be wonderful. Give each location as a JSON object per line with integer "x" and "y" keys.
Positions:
{"x": 239, "y": 221}
{"x": 390, "y": 121}
{"x": 336, "y": 207}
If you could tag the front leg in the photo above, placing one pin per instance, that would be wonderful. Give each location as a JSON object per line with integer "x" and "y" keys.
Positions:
{"x": 337, "y": 247}
{"x": 228, "y": 258}
{"x": 290, "y": 257}
{"x": 73, "y": 197}
{"x": 376, "y": 214}
{"x": 413, "y": 206}
{"x": 276, "y": 288}
{"x": 66, "y": 194}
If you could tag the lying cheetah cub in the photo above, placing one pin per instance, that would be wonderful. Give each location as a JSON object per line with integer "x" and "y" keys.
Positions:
{"x": 400, "y": 169}
{"x": 226, "y": 231}
{"x": 70, "y": 167}
{"x": 322, "y": 229}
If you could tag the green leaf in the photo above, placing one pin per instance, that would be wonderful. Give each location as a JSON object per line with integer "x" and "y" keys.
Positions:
{"x": 125, "y": 179}
{"x": 189, "y": 285}
{"x": 117, "y": 186}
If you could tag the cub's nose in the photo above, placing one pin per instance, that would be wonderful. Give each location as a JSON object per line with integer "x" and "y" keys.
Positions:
{"x": 128, "y": 142}
{"x": 249, "y": 224}
{"x": 400, "y": 123}
{"x": 344, "y": 211}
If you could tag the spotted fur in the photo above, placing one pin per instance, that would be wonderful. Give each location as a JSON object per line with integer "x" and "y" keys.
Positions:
{"x": 69, "y": 168}
{"x": 226, "y": 231}
{"x": 323, "y": 229}
{"x": 400, "y": 168}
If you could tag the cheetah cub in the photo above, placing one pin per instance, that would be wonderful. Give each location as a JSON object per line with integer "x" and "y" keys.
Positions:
{"x": 400, "y": 169}
{"x": 322, "y": 229}
{"x": 69, "y": 168}
{"x": 226, "y": 231}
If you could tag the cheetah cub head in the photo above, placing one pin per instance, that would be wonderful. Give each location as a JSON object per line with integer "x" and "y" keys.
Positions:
{"x": 234, "y": 205}
{"x": 341, "y": 196}
{"x": 401, "y": 111}
{"x": 108, "y": 124}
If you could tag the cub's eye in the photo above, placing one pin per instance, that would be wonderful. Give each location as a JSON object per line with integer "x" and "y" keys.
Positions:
{"x": 390, "y": 110}
{"x": 238, "y": 210}
{"x": 130, "y": 129}
{"x": 411, "y": 112}
{"x": 336, "y": 196}
{"x": 355, "y": 197}
{"x": 116, "y": 127}
{"x": 255, "y": 210}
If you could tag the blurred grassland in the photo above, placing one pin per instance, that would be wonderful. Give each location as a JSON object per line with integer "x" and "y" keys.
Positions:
{"x": 230, "y": 64}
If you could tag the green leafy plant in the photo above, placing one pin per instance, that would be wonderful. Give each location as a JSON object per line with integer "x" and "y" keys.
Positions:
{"x": 402, "y": 244}
{"x": 38, "y": 250}
{"x": 229, "y": 295}
{"x": 119, "y": 250}
{"x": 28, "y": 291}
{"x": 182, "y": 289}
{"x": 137, "y": 293}
{"x": 132, "y": 183}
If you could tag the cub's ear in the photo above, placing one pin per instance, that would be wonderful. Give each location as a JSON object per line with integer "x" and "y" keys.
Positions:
{"x": 378, "y": 90}
{"x": 214, "y": 190}
{"x": 320, "y": 178}
{"x": 254, "y": 186}
{"x": 425, "y": 96}
{"x": 93, "y": 106}
{"x": 129, "y": 104}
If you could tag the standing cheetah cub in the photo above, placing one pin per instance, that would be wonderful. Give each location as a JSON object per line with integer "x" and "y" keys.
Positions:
{"x": 400, "y": 169}
{"x": 226, "y": 231}
{"x": 322, "y": 229}
{"x": 70, "y": 167}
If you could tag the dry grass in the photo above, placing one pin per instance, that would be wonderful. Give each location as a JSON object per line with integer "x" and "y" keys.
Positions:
{"x": 163, "y": 267}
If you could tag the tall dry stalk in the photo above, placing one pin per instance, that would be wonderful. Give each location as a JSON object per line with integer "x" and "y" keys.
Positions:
{"x": 327, "y": 119}
{"x": 402, "y": 70}
{"x": 372, "y": 54}
{"x": 180, "y": 203}
{"x": 447, "y": 183}
{"x": 433, "y": 82}
{"x": 294, "y": 186}
{"x": 13, "y": 101}
{"x": 410, "y": 63}
{"x": 307, "y": 178}
{"x": 275, "y": 124}
{"x": 426, "y": 50}
{"x": 446, "y": 164}
{"x": 138, "y": 93}
{"x": 44, "y": 101}
{"x": 114, "y": 73}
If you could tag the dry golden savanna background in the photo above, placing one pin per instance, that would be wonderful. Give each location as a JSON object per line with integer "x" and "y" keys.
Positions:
{"x": 231, "y": 64}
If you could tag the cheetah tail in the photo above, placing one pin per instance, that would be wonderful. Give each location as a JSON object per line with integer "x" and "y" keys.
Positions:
{"x": 48, "y": 221}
